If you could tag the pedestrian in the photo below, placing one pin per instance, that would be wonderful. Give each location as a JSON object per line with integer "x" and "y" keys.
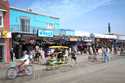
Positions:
{"x": 105, "y": 54}
{"x": 42, "y": 56}
{"x": 70, "y": 50}
{"x": 66, "y": 56}
{"x": 91, "y": 50}
{"x": 73, "y": 56}
{"x": 12, "y": 54}
{"x": 37, "y": 54}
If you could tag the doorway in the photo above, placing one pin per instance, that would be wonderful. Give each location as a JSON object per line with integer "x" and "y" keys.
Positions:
{"x": 1, "y": 53}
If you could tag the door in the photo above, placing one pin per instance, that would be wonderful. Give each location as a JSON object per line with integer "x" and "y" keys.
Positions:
{"x": 1, "y": 53}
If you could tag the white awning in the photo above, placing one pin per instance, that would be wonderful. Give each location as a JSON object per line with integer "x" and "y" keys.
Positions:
{"x": 121, "y": 37}
{"x": 82, "y": 34}
{"x": 106, "y": 36}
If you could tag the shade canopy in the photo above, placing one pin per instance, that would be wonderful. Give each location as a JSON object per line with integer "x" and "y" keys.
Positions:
{"x": 58, "y": 47}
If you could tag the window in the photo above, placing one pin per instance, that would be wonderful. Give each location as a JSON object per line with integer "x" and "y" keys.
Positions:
{"x": 25, "y": 24}
{"x": 50, "y": 26}
{"x": 1, "y": 19}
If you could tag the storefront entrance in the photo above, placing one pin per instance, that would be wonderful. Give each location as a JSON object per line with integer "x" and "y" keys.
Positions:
{"x": 1, "y": 53}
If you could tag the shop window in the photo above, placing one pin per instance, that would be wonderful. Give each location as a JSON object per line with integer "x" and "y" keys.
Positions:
{"x": 1, "y": 19}
{"x": 50, "y": 26}
{"x": 25, "y": 24}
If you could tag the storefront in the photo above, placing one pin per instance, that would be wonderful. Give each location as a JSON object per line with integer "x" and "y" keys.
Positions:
{"x": 105, "y": 40}
{"x": 21, "y": 42}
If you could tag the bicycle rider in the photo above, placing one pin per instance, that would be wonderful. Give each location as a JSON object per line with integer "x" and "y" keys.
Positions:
{"x": 25, "y": 60}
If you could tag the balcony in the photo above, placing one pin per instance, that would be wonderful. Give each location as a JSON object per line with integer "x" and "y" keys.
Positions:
{"x": 20, "y": 29}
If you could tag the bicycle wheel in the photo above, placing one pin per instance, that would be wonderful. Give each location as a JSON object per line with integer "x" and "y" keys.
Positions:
{"x": 11, "y": 73}
{"x": 29, "y": 70}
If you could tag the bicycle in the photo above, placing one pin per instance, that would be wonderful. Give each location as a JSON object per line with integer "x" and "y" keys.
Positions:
{"x": 13, "y": 72}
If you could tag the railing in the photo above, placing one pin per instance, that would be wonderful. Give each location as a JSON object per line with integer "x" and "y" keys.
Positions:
{"x": 18, "y": 28}
{"x": 15, "y": 28}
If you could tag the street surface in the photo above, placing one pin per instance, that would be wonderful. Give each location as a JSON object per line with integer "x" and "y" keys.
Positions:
{"x": 83, "y": 72}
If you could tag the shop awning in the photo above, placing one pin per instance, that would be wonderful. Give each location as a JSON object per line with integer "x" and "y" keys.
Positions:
{"x": 58, "y": 47}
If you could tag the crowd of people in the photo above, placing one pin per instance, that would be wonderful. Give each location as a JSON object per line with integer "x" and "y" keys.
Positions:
{"x": 41, "y": 55}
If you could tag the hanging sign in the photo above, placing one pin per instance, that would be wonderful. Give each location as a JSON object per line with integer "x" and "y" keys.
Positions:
{"x": 5, "y": 34}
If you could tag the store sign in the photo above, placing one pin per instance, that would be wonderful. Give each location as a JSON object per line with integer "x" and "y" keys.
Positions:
{"x": 59, "y": 32}
{"x": 70, "y": 33}
{"x": 45, "y": 33}
{"x": 73, "y": 39}
{"x": 5, "y": 34}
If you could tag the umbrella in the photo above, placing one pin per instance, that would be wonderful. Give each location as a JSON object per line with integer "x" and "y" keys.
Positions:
{"x": 58, "y": 47}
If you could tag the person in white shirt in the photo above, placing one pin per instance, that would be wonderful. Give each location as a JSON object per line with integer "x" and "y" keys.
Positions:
{"x": 66, "y": 55}
{"x": 42, "y": 56}
{"x": 26, "y": 58}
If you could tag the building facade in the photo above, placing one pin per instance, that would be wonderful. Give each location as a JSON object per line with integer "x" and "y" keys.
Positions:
{"x": 29, "y": 21}
{"x": 4, "y": 32}
{"x": 27, "y": 25}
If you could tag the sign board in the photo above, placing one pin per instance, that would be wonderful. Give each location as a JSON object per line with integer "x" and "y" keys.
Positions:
{"x": 81, "y": 33}
{"x": 5, "y": 34}
{"x": 73, "y": 39}
{"x": 45, "y": 33}
{"x": 59, "y": 32}
{"x": 70, "y": 33}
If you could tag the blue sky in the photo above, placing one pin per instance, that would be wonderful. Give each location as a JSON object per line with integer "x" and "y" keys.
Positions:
{"x": 86, "y": 15}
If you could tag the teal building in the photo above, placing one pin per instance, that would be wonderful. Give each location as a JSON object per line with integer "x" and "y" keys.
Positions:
{"x": 28, "y": 21}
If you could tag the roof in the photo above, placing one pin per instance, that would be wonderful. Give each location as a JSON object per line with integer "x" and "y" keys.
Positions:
{"x": 31, "y": 12}
{"x": 87, "y": 34}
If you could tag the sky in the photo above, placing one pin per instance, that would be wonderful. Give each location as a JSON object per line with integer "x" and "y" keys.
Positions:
{"x": 81, "y": 15}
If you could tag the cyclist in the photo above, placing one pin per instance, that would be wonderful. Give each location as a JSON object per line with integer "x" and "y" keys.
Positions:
{"x": 25, "y": 60}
